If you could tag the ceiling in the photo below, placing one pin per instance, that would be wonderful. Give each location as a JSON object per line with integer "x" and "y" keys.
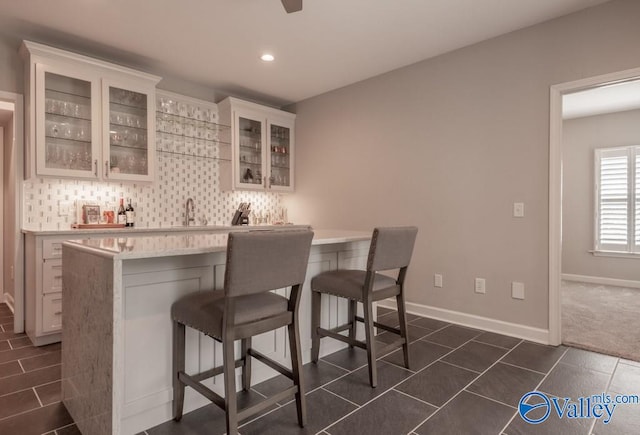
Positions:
{"x": 217, "y": 43}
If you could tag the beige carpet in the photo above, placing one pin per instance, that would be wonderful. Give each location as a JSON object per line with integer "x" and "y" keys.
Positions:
{"x": 603, "y": 319}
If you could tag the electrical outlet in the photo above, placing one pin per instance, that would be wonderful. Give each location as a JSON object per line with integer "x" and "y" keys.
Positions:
{"x": 481, "y": 285}
{"x": 437, "y": 280}
{"x": 517, "y": 290}
{"x": 518, "y": 209}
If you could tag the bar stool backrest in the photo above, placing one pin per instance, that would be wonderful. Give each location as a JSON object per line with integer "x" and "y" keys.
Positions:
{"x": 258, "y": 261}
{"x": 391, "y": 248}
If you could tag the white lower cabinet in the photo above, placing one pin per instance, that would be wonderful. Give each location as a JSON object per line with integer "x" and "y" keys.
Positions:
{"x": 52, "y": 312}
{"x": 52, "y": 275}
{"x": 43, "y": 288}
{"x": 43, "y": 282}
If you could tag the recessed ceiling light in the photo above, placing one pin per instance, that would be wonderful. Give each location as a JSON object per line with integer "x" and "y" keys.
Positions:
{"x": 267, "y": 57}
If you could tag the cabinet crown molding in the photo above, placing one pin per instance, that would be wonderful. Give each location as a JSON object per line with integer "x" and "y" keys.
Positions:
{"x": 29, "y": 49}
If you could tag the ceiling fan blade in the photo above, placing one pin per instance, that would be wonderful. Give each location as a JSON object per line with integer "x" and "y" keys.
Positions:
{"x": 292, "y": 5}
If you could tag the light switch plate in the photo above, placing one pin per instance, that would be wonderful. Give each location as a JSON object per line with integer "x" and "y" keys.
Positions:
{"x": 518, "y": 209}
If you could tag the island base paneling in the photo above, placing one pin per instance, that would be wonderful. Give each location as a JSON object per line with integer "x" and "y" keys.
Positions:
{"x": 142, "y": 293}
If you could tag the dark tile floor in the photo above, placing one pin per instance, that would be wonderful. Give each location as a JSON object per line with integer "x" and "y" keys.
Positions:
{"x": 462, "y": 381}
{"x": 29, "y": 385}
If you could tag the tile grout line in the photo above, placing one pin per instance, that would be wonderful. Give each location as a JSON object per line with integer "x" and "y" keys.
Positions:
{"x": 37, "y": 397}
{"x": 72, "y": 424}
{"x": 525, "y": 368}
{"x": 394, "y": 386}
{"x": 415, "y": 398}
{"x": 460, "y": 367}
{"x": 28, "y": 388}
{"x": 493, "y": 400}
{"x": 609, "y": 382}
{"x": 465, "y": 387}
{"x": 335, "y": 365}
{"x": 343, "y": 398}
{"x": 358, "y": 407}
{"x": 404, "y": 380}
{"x": 536, "y": 388}
{"x": 491, "y": 344}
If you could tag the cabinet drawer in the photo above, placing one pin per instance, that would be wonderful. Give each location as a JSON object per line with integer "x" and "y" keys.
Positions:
{"x": 52, "y": 249}
{"x": 52, "y": 312}
{"x": 52, "y": 276}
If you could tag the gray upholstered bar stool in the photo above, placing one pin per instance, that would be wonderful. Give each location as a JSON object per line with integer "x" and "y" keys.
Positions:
{"x": 257, "y": 262}
{"x": 391, "y": 248}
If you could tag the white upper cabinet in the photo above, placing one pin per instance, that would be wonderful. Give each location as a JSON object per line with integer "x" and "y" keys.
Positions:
{"x": 129, "y": 133}
{"x": 262, "y": 153}
{"x": 87, "y": 118}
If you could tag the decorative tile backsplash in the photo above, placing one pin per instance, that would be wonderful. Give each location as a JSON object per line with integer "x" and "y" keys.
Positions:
{"x": 49, "y": 203}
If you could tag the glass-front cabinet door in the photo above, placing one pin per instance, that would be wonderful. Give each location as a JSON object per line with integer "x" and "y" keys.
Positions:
{"x": 67, "y": 135}
{"x": 261, "y": 156}
{"x": 251, "y": 152}
{"x": 129, "y": 135}
{"x": 281, "y": 155}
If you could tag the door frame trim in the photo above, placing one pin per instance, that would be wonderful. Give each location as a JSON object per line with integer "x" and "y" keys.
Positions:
{"x": 555, "y": 186}
{"x": 18, "y": 164}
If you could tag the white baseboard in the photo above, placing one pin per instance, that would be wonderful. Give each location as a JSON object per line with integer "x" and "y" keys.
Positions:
{"x": 536, "y": 335}
{"x": 8, "y": 299}
{"x": 601, "y": 280}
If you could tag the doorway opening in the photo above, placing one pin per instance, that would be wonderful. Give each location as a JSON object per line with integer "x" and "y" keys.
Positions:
{"x": 557, "y": 169}
{"x": 11, "y": 170}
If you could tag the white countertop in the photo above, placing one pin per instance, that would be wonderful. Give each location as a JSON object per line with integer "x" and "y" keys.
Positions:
{"x": 124, "y": 248}
{"x": 78, "y": 233}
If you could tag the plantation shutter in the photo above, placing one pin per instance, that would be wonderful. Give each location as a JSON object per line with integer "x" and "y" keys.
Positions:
{"x": 612, "y": 232}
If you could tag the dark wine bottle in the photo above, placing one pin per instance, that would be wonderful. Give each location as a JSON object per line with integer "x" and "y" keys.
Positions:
{"x": 130, "y": 214}
{"x": 122, "y": 214}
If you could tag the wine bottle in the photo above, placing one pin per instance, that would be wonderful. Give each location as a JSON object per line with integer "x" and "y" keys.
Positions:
{"x": 130, "y": 214}
{"x": 122, "y": 215}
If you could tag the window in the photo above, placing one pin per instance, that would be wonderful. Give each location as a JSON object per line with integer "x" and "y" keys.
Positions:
{"x": 618, "y": 199}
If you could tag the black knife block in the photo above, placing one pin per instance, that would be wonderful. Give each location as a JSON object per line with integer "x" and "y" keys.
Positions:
{"x": 240, "y": 218}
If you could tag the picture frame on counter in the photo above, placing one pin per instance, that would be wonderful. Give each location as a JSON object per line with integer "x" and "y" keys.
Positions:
{"x": 90, "y": 214}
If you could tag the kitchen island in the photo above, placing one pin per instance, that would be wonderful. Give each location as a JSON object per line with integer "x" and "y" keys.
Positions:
{"x": 116, "y": 353}
{"x": 43, "y": 268}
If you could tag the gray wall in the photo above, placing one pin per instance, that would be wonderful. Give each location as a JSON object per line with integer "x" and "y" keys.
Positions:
{"x": 11, "y": 71}
{"x": 580, "y": 137}
{"x": 449, "y": 144}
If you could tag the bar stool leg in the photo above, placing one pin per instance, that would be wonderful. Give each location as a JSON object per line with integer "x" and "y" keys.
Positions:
{"x": 371, "y": 342}
{"x": 178, "y": 366}
{"x": 404, "y": 330}
{"x": 229, "y": 369}
{"x": 245, "y": 345}
{"x": 296, "y": 368}
{"x": 315, "y": 324}
{"x": 353, "y": 306}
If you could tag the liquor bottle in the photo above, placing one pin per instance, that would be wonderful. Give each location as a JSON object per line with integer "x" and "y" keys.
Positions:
{"x": 122, "y": 215}
{"x": 130, "y": 214}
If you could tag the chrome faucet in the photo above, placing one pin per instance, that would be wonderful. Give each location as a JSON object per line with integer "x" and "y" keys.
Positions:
{"x": 190, "y": 215}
